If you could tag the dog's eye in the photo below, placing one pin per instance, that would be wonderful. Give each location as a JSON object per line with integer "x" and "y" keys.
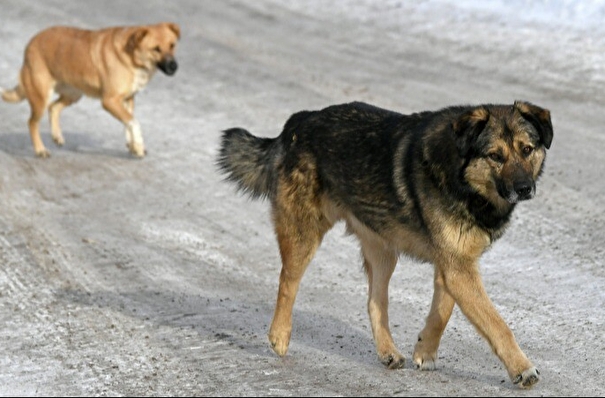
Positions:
{"x": 527, "y": 150}
{"x": 496, "y": 157}
{"x": 171, "y": 46}
{"x": 157, "y": 49}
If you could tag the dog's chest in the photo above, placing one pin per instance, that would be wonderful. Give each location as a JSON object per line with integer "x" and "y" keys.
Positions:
{"x": 141, "y": 78}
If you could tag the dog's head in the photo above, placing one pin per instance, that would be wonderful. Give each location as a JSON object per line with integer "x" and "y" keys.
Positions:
{"x": 504, "y": 148}
{"x": 154, "y": 46}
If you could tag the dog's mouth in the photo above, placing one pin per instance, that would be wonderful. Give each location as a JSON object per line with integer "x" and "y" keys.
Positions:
{"x": 168, "y": 66}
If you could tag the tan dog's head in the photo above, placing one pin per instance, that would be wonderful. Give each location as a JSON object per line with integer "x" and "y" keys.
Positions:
{"x": 505, "y": 148}
{"x": 154, "y": 46}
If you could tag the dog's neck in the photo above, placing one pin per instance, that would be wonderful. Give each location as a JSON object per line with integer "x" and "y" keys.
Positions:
{"x": 490, "y": 218}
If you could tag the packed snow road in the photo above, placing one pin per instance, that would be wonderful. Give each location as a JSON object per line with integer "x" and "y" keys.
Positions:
{"x": 121, "y": 276}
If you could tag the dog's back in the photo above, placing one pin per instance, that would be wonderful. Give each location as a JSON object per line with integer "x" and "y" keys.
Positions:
{"x": 348, "y": 150}
{"x": 330, "y": 134}
{"x": 57, "y": 54}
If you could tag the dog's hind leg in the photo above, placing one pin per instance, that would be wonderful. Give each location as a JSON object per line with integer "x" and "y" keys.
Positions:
{"x": 38, "y": 87}
{"x": 379, "y": 262}
{"x": 54, "y": 112}
{"x": 425, "y": 352}
{"x": 300, "y": 226}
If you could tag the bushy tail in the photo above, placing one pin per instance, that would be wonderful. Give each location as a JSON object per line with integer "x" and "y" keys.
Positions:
{"x": 250, "y": 161}
{"x": 15, "y": 95}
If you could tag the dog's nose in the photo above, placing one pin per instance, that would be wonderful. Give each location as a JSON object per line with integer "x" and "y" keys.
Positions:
{"x": 168, "y": 66}
{"x": 171, "y": 67}
{"x": 524, "y": 189}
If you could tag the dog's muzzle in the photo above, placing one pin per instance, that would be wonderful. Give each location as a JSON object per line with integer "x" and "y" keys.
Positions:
{"x": 519, "y": 191}
{"x": 525, "y": 189}
{"x": 168, "y": 66}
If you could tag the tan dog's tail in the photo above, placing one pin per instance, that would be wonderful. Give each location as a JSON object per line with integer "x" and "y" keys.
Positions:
{"x": 250, "y": 161}
{"x": 15, "y": 95}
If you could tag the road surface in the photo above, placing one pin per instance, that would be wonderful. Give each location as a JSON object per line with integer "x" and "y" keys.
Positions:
{"x": 121, "y": 276}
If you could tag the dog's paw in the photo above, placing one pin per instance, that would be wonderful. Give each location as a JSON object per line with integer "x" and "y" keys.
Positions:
{"x": 59, "y": 140}
{"x": 43, "y": 153}
{"x": 424, "y": 363}
{"x": 528, "y": 378}
{"x": 136, "y": 149}
{"x": 392, "y": 360}
{"x": 424, "y": 358}
{"x": 279, "y": 343}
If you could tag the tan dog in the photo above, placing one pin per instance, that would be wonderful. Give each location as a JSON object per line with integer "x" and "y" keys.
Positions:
{"x": 112, "y": 64}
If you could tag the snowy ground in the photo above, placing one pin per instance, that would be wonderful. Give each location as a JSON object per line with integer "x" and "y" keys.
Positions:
{"x": 127, "y": 277}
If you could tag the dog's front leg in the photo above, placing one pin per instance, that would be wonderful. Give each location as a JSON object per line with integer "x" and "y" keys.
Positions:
{"x": 463, "y": 283}
{"x": 128, "y": 133}
{"x": 425, "y": 352}
{"x": 134, "y": 137}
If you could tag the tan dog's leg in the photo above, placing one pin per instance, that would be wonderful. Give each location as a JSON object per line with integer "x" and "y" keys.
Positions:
{"x": 300, "y": 227}
{"x": 38, "y": 88}
{"x": 425, "y": 352}
{"x": 379, "y": 263}
{"x": 115, "y": 106}
{"x": 463, "y": 282}
{"x": 129, "y": 105}
{"x": 54, "y": 111}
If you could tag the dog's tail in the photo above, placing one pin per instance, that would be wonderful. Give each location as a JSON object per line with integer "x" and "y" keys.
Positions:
{"x": 250, "y": 161}
{"x": 17, "y": 94}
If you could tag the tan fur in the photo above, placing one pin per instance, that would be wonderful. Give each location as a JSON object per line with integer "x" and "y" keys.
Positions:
{"x": 300, "y": 226}
{"x": 111, "y": 64}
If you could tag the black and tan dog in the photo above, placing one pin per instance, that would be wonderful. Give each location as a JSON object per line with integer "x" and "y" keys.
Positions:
{"x": 439, "y": 186}
{"x": 111, "y": 64}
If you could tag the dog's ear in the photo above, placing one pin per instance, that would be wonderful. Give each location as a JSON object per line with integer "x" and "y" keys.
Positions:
{"x": 135, "y": 39}
{"x": 467, "y": 128}
{"x": 539, "y": 118}
{"x": 175, "y": 28}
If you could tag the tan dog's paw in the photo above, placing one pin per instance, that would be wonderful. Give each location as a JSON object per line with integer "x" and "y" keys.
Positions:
{"x": 58, "y": 139}
{"x": 528, "y": 378}
{"x": 137, "y": 150}
{"x": 393, "y": 360}
{"x": 42, "y": 153}
{"x": 279, "y": 342}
